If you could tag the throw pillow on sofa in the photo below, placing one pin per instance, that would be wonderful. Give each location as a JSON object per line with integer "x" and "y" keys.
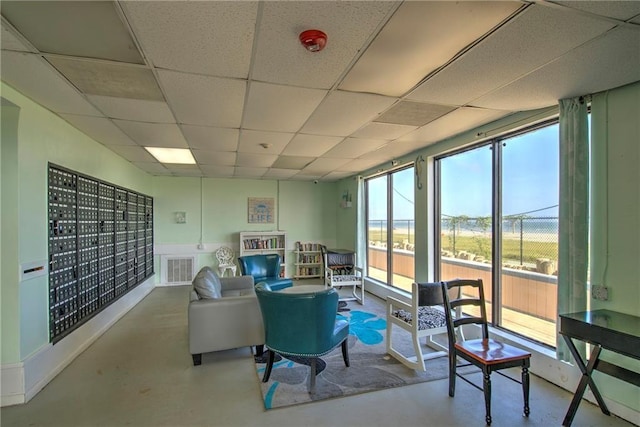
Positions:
{"x": 207, "y": 284}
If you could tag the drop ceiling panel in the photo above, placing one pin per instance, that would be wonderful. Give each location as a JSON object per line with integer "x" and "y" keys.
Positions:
{"x": 606, "y": 62}
{"x": 384, "y": 131}
{"x": 90, "y": 29}
{"x": 36, "y": 79}
{"x": 109, "y": 79}
{"x": 391, "y": 151}
{"x": 206, "y": 37}
{"x": 292, "y": 162}
{"x": 219, "y": 158}
{"x": 133, "y": 109}
{"x": 256, "y": 160}
{"x": 280, "y": 173}
{"x": 452, "y": 124}
{"x": 310, "y": 145}
{"x": 153, "y": 134}
{"x": 614, "y": 9}
{"x": 12, "y": 40}
{"x": 154, "y": 168}
{"x": 132, "y": 153}
{"x": 358, "y": 165}
{"x": 183, "y": 170}
{"x": 203, "y": 100}
{"x": 280, "y": 58}
{"x": 336, "y": 176}
{"x": 251, "y": 172}
{"x": 217, "y": 171}
{"x": 99, "y": 128}
{"x": 250, "y": 141}
{"x": 211, "y": 138}
{"x": 323, "y": 166}
{"x": 421, "y": 37}
{"x": 413, "y": 113}
{"x": 352, "y": 148}
{"x": 547, "y": 34}
{"x": 279, "y": 108}
{"x": 342, "y": 113}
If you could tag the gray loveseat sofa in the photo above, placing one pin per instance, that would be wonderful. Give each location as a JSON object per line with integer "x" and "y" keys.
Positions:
{"x": 223, "y": 314}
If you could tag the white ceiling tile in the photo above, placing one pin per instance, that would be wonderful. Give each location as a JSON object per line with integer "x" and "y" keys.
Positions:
{"x": 280, "y": 57}
{"x": 614, "y": 9}
{"x": 558, "y": 80}
{"x": 36, "y": 79}
{"x": 421, "y": 37}
{"x": 217, "y": 171}
{"x": 310, "y": 145}
{"x": 352, "y": 148}
{"x": 208, "y": 37}
{"x": 99, "y": 128}
{"x": 90, "y": 29}
{"x": 256, "y": 160}
{"x": 203, "y": 100}
{"x": 187, "y": 169}
{"x": 307, "y": 176}
{"x": 413, "y": 113}
{"x": 336, "y": 176}
{"x": 250, "y": 172}
{"x": 250, "y": 141}
{"x": 132, "y": 153}
{"x": 154, "y": 168}
{"x": 13, "y": 40}
{"x": 153, "y": 134}
{"x": 342, "y": 113}
{"x": 133, "y": 109}
{"x": 214, "y": 158}
{"x": 358, "y": 165}
{"x": 292, "y": 162}
{"x": 452, "y": 124}
{"x": 280, "y": 173}
{"x": 323, "y": 166}
{"x": 500, "y": 58}
{"x": 211, "y": 138}
{"x": 109, "y": 78}
{"x": 391, "y": 151}
{"x": 279, "y": 108}
{"x": 386, "y": 131}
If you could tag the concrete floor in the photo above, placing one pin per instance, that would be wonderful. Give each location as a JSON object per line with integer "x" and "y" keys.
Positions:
{"x": 139, "y": 373}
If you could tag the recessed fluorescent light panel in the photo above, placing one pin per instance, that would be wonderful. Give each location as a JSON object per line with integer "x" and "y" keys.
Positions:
{"x": 181, "y": 156}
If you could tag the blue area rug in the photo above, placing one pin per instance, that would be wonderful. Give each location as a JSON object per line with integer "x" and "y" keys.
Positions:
{"x": 371, "y": 367}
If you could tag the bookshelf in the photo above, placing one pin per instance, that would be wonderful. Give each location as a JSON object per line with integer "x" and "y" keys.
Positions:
{"x": 265, "y": 242}
{"x": 308, "y": 261}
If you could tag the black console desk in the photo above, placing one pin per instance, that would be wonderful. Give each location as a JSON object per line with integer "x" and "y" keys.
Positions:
{"x": 604, "y": 329}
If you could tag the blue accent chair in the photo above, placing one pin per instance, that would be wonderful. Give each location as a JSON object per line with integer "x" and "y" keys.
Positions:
{"x": 264, "y": 268}
{"x": 302, "y": 325}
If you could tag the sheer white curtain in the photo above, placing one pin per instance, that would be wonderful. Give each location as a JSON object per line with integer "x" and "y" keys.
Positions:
{"x": 574, "y": 209}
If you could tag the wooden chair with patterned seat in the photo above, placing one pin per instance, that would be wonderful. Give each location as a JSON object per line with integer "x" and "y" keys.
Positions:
{"x": 430, "y": 321}
{"x": 486, "y": 353}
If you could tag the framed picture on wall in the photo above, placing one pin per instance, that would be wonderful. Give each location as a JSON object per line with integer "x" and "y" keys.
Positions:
{"x": 261, "y": 210}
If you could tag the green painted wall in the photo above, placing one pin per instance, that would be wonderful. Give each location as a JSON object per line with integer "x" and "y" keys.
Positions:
{"x": 615, "y": 218}
{"x": 306, "y": 211}
{"x": 42, "y": 138}
{"x": 9, "y": 295}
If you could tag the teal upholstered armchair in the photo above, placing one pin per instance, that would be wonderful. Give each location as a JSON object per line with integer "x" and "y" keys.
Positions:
{"x": 303, "y": 325}
{"x": 264, "y": 268}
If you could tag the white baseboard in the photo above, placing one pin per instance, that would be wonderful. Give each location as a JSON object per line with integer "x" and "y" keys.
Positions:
{"x": 22, "y": 381}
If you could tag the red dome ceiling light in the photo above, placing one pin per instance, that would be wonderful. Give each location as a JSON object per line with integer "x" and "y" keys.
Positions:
{"x": 313, "y": 40}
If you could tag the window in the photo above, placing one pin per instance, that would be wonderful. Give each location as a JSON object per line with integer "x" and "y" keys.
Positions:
{"x": 391, "y": 228}
{"x": 498, "y": 210}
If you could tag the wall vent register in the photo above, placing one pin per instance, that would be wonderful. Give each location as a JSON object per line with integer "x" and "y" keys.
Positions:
{"x": 100, "y": 246}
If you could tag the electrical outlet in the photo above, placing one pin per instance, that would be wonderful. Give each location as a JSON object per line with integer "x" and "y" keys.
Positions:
{"x": 600, "y": 292}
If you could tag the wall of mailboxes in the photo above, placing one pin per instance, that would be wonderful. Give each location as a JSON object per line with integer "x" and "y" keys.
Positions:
{"x": 100, "y": 246}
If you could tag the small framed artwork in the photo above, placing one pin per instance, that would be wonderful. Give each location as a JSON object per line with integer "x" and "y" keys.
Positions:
{"x": 261, "y": 210}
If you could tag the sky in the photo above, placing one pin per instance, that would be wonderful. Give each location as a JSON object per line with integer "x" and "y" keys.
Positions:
{"x": 530, "y": 180}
